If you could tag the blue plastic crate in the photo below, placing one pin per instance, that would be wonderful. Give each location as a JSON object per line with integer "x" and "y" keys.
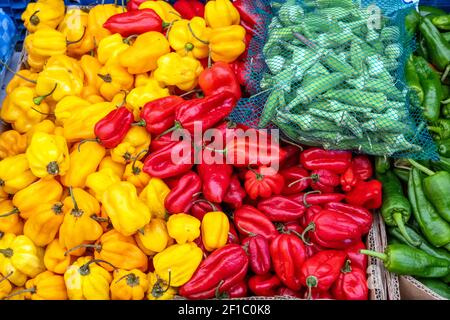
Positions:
{"x": 13, "y": 4}
{"x": 442, "y": 4}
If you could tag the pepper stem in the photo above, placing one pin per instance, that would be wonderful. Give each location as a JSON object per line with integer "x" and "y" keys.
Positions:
{"x": 53, "y": 168}
{"x": 258, "y": 175}
{"x": 435, "y": 129}
{"x": 347, "y": 266}
{"x": 8, "y": 252}
{"x": 136, "y": 171}
{"x": 398, "y": 218}
{"x": 132, "y": 279}
{"x": 421, "y": 167}
{"x": 379, "y": 255}
{"x": 15, "y": 73}
{"x": 250, "y": 234}
{"x": 38, "y": 100}
{"x": 127, "y": 40}
{"x": 299, "y": 180}
{"x": 7, "y": 276}
{"x": 105, "y": 77}
{"x": 189, "y": 92}
{"x": 307, "y": 205}
{"x": 213, "y": 207}
{"x": 445, "y": 101}
{"x": 310, "y": 227}
{"x": 195, "y": 36}
{"x": 34, "y": 19}
{"x": 76, "y": 41}
{"x": 157, "y": 290}
{"x": 217, "y": 294}
{"x": 10, "y": 213}
{"x": 43, "y": 113}
{"x": 177, "y": 125}
{"x": 84, "y": 270}
{"x": 140, "y": 123}
{"x": 311, "y": 282}
{"x": 97, "y": 247}
{"x": 19, "y": 292}
{"x": 446, "y": 72}
{"x": 99, "y": 219}
{"x": 76, "y": 210}
{"x": 87, "y": 140}
{"x": 292, "y": 143}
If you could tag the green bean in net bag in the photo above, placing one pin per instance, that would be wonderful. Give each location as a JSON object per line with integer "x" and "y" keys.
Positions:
{"x": 330, "y": 73}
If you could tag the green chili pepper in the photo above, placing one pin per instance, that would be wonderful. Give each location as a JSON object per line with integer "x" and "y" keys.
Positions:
{"x": 444, "y": 147}
{"x": 412, "y": 20}
{"x": 437, "y": 286}
{"x": 446, "y": 110}
{"x": 342, "y": 119}
{"x": 390, "y": 34}
{"x": 328, "y": 3}
{"x": 402, "y": 174}
{"x": 442, "y": 164}
{"x": 433, "y": 227}
{"x": 439, "y": 48}
{"x": 428, "y": 10}
{"x": 382, "y": 164}
{"x": 440, "y": 129}
{"x": 357, "y": 56}
{"x": 270, "y": 108}
{"x": 442, "y": 22}
{"x": 422, "y": 49}
{"x": 308, "y": 122}
{"x": 374, "y": 100}
{"x": 377, "y": 85}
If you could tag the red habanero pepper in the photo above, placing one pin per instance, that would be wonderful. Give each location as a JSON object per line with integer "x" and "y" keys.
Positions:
{"x": 348, "y": 179}
{"x": 216, "y": 180}
{"x": 356, "y": 258}
{"x": 263, "y": 182}
{"x": 219, "y": 272}
{"x": 361, "y": 216}
{"x": 201, "y": 207}
{"x": 134, "y": 22}
{"x": 133, "y": 5}
{"x": 258, "y": 253}
{"x": 362, "y": 167}
{"x": 367, "y": 194}
{"x": 235, "y": 194}
{"x": 183, "y": 195}
{"x": 219, "y": 78}
{"x": 292, "y": 155}
{"x": 295, "y": 228}
{"x": 309, "y": 214}
{"x": 351, "y": 284}
{"x": 321, "y": 270}
{"x": 239, "y": 290}
{"x": 265, "y": 285}
{"x": 161, "y": 164}
{"x": 199, "y": 243}
{"x": 249, "y": 19}
{"x": 286, "y": 292}
{"x": 281, "y": 209}
{"x": 296, "y": 180}
{"x": 240, "y": 71}
{"x": 161, "y": 142}
{"x": 233, "y": 236}
{"x": 159, "y": 114}
{"x": 250, "y": 220}
{"x": 324, "y": 180}
{"x": 317, "y": 198}
{"x": 316, "y": 158}
{"x": 112, "y": 129}
{"x": 288, "y": 254}
{"x": 189, "y": 8}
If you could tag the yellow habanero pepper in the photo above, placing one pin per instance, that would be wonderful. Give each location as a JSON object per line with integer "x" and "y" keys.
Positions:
{"x": 91, "y": 68}
{"x": 41, "y": 14}
{"x": 84, "y": 160}
{"x": 47, "y": 42}
{"x": 74, "y": 28}
{"x": 139, "y": 96}
{"x": 41, "y": 191}
{"x": 12, "y": 143}
{"x": 55, "y": 259}
{"x": 79, "y": 225}
{"x": 215, "y": 227}
{"x": 15, "y": 174}
{"x": 10, "y": 221}
{"x": 164, "y": 10}
{"x": 154, "y": 195}
{"x": 129, "y": 285}
{"x": 183, "y": 227}
{"x": 99, "y": 181}
{"x": 180, "y": 260}
{"x": 19, "y": 81}
{"x": 128, "y": 214}
{"x": 159, "y": 289}
{"x": 98, "y": 16}
{"x": 109, "y": 49}
{"x": 179, "y": 71}
{"x": 67, "y": 107}
{"x": 45, "y": 286}
{"x": 142, "y": 79}
{"x": 141, "y": 57}
{"x": 133, "y": 145}
{"x": 35, "y": 62}
{"x": 190, "y": 37}
{"x": 134, "y": 174}
{"x": 91, "y": 95}
{"x": 86, "y": 280}
{"x": 221, "y": 13}
{"x": 108, "y": 162}
{"x": 23, "y": 110}
{"x": 46, "y": 126}
{"x": 48, "y": 155}
{"x": 20, "y": 295}
{"x": 5, "y": 287}
{"x": 62, "y": 76}
{"x": 112, "y": 80}
{"x": 21, "y": 257}
{"x": 153, "y": 238}
{"x": 227, "y": 43}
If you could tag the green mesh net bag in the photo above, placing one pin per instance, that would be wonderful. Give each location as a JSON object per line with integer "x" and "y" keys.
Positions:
{"x": 330, "y": 73}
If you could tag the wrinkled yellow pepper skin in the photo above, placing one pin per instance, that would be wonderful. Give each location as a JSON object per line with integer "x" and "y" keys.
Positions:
{"x": 215, "y": 228}
{"x": 12, "y": 143}
{"x": 154, "y": 195}
{"x": 47, "y": 126}
{"x": 35, "y": 62}
{"x": 55, "y": 259}
{"x": 15, "y": 174}
{"x": 113, "y": 79}
{"x": 221, "y": 13}
{"x": 98, "y": 16}
{"x": 5, "y": 287}
{"x": 47, "y": 42}
{"x": 91, "y": 68}
{"x": 41, "y": 191}
{"x": 109, "y": 49}
{"x": 74, "y": 28}
{"x": 46, "y": 286}
{"x": 227, "y": 43}
{"x": 17, "y": 81}
{"x": 67, "y": 107}
{"x": 186, "y": 42}
{"x": 129, "y": 285}
{"x": 21, "y": 257}
{"x": 44, "y": 223}
{"x": 159, "y": 289}
{"x": 133, "y": 146}
{"x": 78, "y": 226}
{"x": 84, "y": 160}
{"x": 10, "y": 222}
{"x": 142, "y": 79}
{"x": 86, "y": 280}
{"x": 181, "y": 260}
{"x": 179, "y": 71}
{"x": 153, "y": 238}
{"x": 140, "y": 57}
{"x": 20, "y": 110}
{"x": 41, "y": 14}
{"x": 91, "y": 94}
{"x": 134, "y": 173}
{"x": 48, "y": 155}
{"x": 128, "y": 214}
{"x": 164, "y": 10}
{"x": 108, "y": 162}
{"x": 99, "y": 181}
{"x": 139, "y": 96}
{"x": 183, "y": 227}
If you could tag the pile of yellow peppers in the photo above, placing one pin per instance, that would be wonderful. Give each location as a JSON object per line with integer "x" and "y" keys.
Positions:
{"x": 78, "y": 221}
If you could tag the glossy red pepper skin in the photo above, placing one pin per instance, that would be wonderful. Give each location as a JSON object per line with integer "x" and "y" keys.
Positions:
{"x": 258, "y": 254}
{"x": 249, "y": 220}
{"x": 159, "y": 114}
{"x": 296, "y": 180}
{"x": 235, "y": 194}
{"x": 288, "y": 254}
{"x": 202, "y": 207}
{"x": 233, "y": 236}
{"x": 311, "y": 199}
{"x": 281, "y": 209}
{"x": 112, "y": 129}
{"x": 363, "y": 167}
{"x": 316, "y": 158}
{"x": 284, "y": 291}
{"x": 357, "y": 259}
{"x": 263, "y": 182}
{"x": 324, "y": 180}
{"x": 160, "y": 164}
{"x": 292, "y": 155}
{"x": 180, "y": 199}
{"x": 216, "y": 180}
{"x": 250, "y": 20}
{"x": 348, "y": 179}
{"x": 219, "y": 78}
{"x": 134, "y": 22}
{"x": 309, "y": 215}
{"x": 221, "y": 270}
{"x": 161, "y": 142}
{"x": 367, "y": 194}
{"x": 239, "y": 290}
{"x": 240, "y": 70}
{"x": 361, "y": 216}
{"x": 189, "y": 8}
{"x": 264, "y": 285}
{"x": 351, "y": 284}
{"x": 133, "y": 5}
{"x": 208, "y": 111}
{"x": 319, "y": 272}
